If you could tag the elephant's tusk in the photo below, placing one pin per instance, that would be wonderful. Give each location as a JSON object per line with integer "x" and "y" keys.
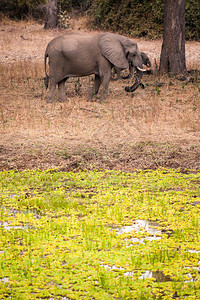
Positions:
{"x": 142, "y": 70}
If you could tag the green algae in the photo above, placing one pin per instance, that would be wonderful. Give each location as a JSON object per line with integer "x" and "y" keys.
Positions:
{"x": 59, "y": 235}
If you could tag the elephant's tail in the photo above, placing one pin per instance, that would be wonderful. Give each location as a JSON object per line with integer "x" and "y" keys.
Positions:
{"x": 46, "y": 78}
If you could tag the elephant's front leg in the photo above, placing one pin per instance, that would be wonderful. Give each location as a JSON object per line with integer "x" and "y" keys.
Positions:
{"x": 105, "y": 80}
{"x": 95, "y": 88}
{"x": 52, "y": 92}
{"x": 62, "y": 97}
{"x": 105, "y": 74}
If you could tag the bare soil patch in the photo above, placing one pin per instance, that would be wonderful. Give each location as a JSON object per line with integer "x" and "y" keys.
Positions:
{"x": 158, "y": 126}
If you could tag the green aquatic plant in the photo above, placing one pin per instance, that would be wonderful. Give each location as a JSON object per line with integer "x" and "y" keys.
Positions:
{"x": 94, "y": 235}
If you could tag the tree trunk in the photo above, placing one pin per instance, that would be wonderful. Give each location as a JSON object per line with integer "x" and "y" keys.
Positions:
{"x": 172, "y": 58}
{"x": 51, "y": 18}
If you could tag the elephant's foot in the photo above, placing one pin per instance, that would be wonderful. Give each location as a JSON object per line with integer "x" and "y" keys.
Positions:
{"x": 103, "y": 96}
{"x": 50, "y": 99}
{"x": 97, "y": 98}
{"x": 93, "y": 99}
{"x": 63, "y": 99}
{"x": 91, "y": 96}
{"x": 100, "y": 97}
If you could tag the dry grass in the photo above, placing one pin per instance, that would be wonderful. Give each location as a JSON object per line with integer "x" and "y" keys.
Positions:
{"x": 164, "y": 113}
{"x": 170, "y": 113}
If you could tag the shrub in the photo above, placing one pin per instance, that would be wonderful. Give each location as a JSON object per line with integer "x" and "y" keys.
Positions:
{"x": 19, "y": 9}
{"x": 192, "y": 19}
{"x": 141, "y": 18}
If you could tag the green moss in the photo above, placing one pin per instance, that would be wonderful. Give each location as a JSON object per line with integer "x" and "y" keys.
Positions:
{"x": 59, "y": 234}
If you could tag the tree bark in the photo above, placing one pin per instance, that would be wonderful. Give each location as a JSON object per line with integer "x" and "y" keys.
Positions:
{"x": 172, "y": 59}
{"x": 51, "y": 19}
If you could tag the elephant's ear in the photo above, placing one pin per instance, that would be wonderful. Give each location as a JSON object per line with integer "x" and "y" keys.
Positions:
{"x": 112, "y": 49}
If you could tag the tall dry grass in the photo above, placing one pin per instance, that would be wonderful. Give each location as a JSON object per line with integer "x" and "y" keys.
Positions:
{"x": 162, "y": 113}
{"x": 166, "y": 113}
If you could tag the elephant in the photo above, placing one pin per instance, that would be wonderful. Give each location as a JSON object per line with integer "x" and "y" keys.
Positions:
{"x": 146, "y": 62}
{"x": 83, "y": 54}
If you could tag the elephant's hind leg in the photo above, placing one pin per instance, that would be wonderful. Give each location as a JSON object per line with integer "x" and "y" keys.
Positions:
{"x": 62, "y": 97}
{"x": 95, "y": 88}
{"x": 52, "y": 92}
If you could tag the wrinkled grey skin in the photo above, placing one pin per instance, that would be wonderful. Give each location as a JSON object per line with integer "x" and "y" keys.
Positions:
{"x": 139, "y": 74}
{"x": 146, "y": 62}
{"x": 83, "y": 54}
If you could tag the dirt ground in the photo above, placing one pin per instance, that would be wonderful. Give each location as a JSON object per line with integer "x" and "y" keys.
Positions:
{"x": 158, "y": 126}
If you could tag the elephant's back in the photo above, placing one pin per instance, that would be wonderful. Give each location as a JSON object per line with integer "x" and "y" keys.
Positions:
{"x": 72, "y": 37}
{"x": 72, "y": 42}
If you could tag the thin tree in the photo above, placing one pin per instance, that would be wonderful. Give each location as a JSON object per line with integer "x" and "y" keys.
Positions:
{"x": 51, "y": 14}
{"x": 172, "y": 59}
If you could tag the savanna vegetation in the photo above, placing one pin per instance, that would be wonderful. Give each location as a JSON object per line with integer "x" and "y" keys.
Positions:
{"x": 142, "y": 18}
{"x": 99, "y": 235}
{"x": 97, "y": 200}
{"x": 131, "y": 17}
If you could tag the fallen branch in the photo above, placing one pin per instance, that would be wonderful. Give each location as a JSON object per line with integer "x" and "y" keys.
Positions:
{"x": 90, "y": 110}
{"x": 23, "y": 38}
{"x": 6, "y": 108}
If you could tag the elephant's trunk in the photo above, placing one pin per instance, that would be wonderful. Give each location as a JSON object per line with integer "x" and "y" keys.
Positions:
{"x": 133, "y": 87}
{"x": 126, "y": 77}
